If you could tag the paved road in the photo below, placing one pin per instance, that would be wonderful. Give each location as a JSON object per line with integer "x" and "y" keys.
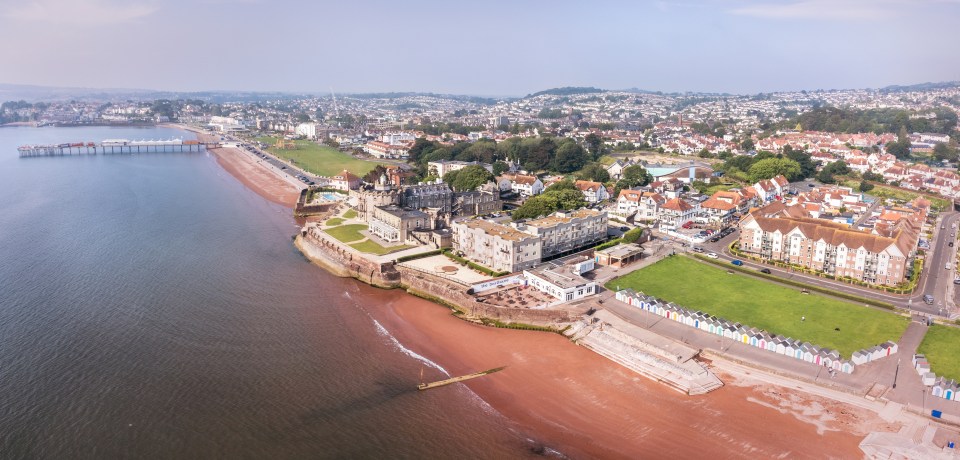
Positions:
{"x": 934, "y": 279}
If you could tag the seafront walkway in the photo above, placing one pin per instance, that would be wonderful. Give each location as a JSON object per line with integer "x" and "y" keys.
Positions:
{"x": 874, "y": 377}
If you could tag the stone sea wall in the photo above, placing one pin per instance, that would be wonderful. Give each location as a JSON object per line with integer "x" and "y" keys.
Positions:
{"x": 330, "y": 255}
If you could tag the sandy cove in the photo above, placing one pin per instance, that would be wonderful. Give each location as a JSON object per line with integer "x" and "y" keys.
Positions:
{"x": 586, "y": 406}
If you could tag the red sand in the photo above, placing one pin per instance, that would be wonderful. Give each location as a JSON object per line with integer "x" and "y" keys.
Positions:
{"x": 586, "y": 406}
{"x": 254, "y": 175}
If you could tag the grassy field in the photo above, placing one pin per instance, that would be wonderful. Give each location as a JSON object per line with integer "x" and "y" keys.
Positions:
{"x": 350, "y": 214}
{"x": 881, "y": 191}
{"x": 320, "y": 159}
{"x": 334, "y": 221}
{"x": 765, "y": 305}
{"x": 374, "y": 248}
{"x": 941, "y": 345}
{"x": 347, "y": 233}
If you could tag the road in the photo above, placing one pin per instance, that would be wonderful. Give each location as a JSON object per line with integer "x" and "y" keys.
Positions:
{"x": 934, "y": 280}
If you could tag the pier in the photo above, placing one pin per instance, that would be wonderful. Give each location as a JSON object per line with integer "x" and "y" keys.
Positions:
{"x": 440, "y": 383}
{"x": 114, "y": 146}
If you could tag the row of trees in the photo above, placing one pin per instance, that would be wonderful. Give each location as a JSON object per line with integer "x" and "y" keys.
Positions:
{"x": 549, "y": 154}
{"x": 838, "y": 120}
{"x": 561, "y": 195}
{"x": 793, "y": 164}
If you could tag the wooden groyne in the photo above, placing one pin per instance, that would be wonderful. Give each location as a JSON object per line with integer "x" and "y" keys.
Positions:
{"x": 440, "y": 383}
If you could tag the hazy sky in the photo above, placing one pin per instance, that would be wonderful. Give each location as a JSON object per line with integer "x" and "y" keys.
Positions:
{"x": 490, "y": 47}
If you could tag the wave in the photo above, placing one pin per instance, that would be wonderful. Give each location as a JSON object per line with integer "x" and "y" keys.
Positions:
{"x": 396, "y": 343}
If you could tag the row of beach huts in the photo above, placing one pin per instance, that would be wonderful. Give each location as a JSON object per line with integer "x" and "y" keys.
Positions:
{"x": 939, "y": 386}
{"x": 754, "y": 337}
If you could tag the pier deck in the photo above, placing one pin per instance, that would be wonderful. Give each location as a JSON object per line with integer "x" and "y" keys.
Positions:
{"x": 114, "y": 146}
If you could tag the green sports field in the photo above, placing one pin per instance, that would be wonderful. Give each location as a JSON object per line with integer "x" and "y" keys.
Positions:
{"x": 941, "y": 346}
{"x": 765, "y": 305}
{"x": 319, "y": 159}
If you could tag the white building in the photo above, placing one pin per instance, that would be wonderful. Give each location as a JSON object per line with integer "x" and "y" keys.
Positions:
{"x": 442, "y": 167}
{"x": 564, "y": 282}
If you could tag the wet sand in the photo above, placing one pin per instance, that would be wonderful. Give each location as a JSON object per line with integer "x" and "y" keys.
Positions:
{"x": 586, "y": 406}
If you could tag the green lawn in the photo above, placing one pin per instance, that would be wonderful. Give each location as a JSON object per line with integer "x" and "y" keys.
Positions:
{"x": 758, "y": 303}
{"x": 350, "y": 214}
{"x": 941, "y": 345}
{"x": 321, "y": 160}
{"x": 347, "y": 233}
{"x": 334, "y": 221}
{"x": 374, "y": 248}
{"x": 881, "y": 191}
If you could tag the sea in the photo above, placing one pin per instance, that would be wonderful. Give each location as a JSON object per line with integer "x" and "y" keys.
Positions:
{"x": 151, "y": 306}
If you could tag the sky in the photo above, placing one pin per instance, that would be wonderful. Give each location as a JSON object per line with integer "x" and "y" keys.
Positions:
{"x": 489, "y": 48}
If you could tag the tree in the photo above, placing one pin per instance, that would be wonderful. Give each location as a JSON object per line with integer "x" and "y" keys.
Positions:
{"x": 594, "y": 172}
{"x": 548, "y": 202}
{"x": 807, "y": 167}
{"x": 500, "y": 168}
{"x": 468, "y": 178}
{"x": 865, "y": 186}
{"x": 594, "y": 145}
{"x": 943, "y": 151}
{"x": 747, "y": 145}
{"x": 901, "y": 147}
{"x": 420, "y": 147}
{"x": 771, "y": 167}
{"x": 826, "y": 175}
{"x": 569, "y": 157}
{"x": 302, "y": 117}
{"x": 633, "y": 176}
{"x": 872, "y": 176}
{"x": 374, "y": 175}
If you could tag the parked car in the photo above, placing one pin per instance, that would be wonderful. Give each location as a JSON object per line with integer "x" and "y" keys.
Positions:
{"x": 623, "y": 229}
{"x": 737, "y": 262}
{"x": 765, "y": 271}
{"x": 956, "y": 281}
{"x": 697, "y": 249}
{"x": 928, "y": 299}
{"x": 946, "y": 266}
{"x": 950, "y": 244}
{"x": 713, "y": 255}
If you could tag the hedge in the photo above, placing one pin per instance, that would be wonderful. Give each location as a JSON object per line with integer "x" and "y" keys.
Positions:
{"x": 811, "y": 287}
{"x": 480, "y": 268}
{"x": 521, "y": 326}
{"x": 418, "y": 256}
{"x": 608, "y": 244}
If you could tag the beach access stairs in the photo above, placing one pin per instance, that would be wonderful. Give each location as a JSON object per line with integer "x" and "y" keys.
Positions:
{"x": 648, "y": 354}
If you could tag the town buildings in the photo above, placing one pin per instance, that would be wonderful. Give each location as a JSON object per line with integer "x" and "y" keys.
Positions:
{"x": 520, "y": 245}
{"x": 833, "y": 248}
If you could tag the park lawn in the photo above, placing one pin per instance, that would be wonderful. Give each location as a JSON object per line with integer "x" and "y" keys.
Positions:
{"x": 334, "y": 221}
{"x": 764, "y": 305}
{"x": 350, "y": 214}
{"x": 940, "y": 346}
{"x": 347, "y": 233}
{"x": 319, "y": 159}
{"x": 372, "y": 247}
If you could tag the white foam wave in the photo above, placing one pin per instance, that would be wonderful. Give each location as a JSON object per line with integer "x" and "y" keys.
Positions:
{"x": 396, "y": 343}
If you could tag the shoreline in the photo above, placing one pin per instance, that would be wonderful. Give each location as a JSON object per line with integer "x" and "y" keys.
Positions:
{"x": 551, "y": 386}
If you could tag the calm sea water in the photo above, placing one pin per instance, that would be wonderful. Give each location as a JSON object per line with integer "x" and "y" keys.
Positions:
{"x": 151, "y": 306}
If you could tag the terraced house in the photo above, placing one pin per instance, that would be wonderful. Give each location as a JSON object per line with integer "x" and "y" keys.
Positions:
{"x": 833, "y": 248}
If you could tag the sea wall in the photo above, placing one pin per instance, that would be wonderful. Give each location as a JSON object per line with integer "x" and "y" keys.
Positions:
{"x": 330, "y": 255}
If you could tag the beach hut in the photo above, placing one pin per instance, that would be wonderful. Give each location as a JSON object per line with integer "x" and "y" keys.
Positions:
{"x": 923, "y": 367}
{"x": 826, "y": 360}
{"x": 917, "y": 359}
{"x": 928, "y": 378}
{"x": 876, "y": 352}
{"x": 781, "y": 347}
{"x": 769, "y": 343}
{"x": 938, "y": 387}
{"x": 808, "y": 354}
{"x": 860, "y": 357}
{"x": 798, "y": 351}
{"x": 847, "y": 367}
{"x": 892, "y": 347}
{"x": 754, "y": 340}
{"x": 837, "y": 364}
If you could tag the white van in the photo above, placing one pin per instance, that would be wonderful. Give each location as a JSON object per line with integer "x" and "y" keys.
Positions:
{"x": 946, "y": 266}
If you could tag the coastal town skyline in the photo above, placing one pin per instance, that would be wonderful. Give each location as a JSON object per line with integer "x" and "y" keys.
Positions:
{"x": 737, "y": 47}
